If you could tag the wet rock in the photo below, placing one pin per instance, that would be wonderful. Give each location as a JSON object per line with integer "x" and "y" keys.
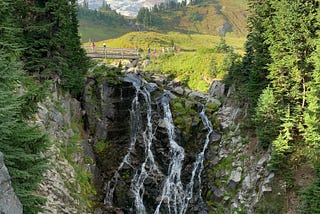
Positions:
{"x": 161, "y": 123}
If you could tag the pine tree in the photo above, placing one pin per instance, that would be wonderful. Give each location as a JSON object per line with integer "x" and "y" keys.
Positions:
{"x": 291, "y": 30}
{"x": 267, "y": 117}
{"x": 53, "y": 44}
{"x": 251, "y": 77}
{"x": 20, "y": 144}
{"x": 70, "y": 48}
{"x": 257, "y": 54}
{"x": 311, "y": 195}
{"x": 311, "y": 129}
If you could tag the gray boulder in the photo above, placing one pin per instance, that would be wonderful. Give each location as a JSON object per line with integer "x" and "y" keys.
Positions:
{"x": 9, "y": 202}
{"x": 235, "y": 177}
{"x": 217, "y": 89}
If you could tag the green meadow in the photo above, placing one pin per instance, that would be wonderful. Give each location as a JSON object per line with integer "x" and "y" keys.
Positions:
{"x": 197, "y": 63}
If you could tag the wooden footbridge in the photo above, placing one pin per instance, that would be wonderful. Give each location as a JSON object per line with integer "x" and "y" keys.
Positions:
{"x": 112, "y": 53}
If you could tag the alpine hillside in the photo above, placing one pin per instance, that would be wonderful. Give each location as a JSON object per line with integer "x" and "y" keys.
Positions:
{"x": 199, "y": 17}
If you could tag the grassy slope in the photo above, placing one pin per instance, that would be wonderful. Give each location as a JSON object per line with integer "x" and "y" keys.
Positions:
{"x": 184, "y": 41}
{"x": 95, "y": 32}
{"x": 215, "y": 13}
{"x": 194, "y": 65}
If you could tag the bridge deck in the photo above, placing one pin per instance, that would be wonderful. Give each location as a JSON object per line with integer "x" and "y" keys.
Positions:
{"x": 112, "y": 53}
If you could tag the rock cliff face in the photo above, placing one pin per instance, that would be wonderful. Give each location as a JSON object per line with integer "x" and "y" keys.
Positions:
{"x": 236, "y": 174}
{"x": 9, "y": 203}
{"x": 60, "y": 118}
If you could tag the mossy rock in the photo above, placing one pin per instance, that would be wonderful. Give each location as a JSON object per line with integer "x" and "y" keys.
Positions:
{"x": 101, "y": 147}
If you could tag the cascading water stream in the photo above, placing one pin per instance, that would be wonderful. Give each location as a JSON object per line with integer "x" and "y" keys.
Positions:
{"x": 173, "y": 192}
{"x": 134, "y": 123}
{"x": 198, "y": 164}
{"x": 148, "y": 166}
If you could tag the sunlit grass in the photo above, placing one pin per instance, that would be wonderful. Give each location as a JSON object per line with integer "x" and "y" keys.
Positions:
{"x": 158, "y": 40}
{"x": 196, "y": 64}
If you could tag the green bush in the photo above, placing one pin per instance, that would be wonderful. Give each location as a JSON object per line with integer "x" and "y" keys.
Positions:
{"x": 112, "y": 76}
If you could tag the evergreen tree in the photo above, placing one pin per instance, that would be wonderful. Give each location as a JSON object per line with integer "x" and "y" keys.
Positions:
{"x": 53, "y": 44}
{"x": 251, "y": 77}
{"x": 257, "y": 55}
{"x": 266, "y": 118}
{"x": 311, "y": 195}
{"x": 20, "y": 144}
{"x": 144, "y": 17}
{"x": 292, "y": 28}
{"x": 70, "y": 48}
{"x": 311, "y": 117}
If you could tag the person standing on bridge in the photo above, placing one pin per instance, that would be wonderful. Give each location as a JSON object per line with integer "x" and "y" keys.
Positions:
{"x": 104, "y": 47}
{"x": 92, "y": 46}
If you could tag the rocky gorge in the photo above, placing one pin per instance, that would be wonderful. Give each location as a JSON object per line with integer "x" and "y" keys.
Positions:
{"x": 149, "y": 147}
{"x": 138, "y": 138}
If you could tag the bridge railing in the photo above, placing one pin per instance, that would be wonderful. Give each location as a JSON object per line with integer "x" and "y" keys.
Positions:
{"x": 115, "y": 51}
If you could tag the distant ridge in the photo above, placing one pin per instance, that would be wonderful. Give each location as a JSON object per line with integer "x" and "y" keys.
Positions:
{"x": 128, "y": 8}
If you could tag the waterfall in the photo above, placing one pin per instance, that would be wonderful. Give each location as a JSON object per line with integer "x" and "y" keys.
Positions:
{"x": 149, "y": 166}
{"x": 134, "y": 124}
{"x": 174, "y": 195}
